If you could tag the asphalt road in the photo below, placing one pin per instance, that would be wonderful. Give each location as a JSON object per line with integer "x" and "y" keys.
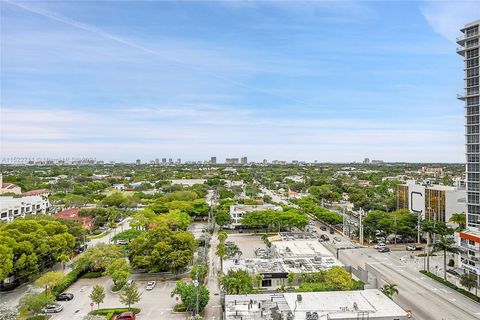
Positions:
{"x": 428, "y": 299}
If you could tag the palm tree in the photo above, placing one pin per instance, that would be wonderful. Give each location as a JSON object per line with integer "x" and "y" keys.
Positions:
{"x": 460, "y": 219}
{"x": 445, "y": 244}
{"x": 221, "y": 253}
{"x": 222, "y": 236}
{"x": 390, "y": 289}
{"x": 429, "y": 228}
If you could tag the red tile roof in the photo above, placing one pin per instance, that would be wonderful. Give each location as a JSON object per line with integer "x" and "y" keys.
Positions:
{"x": 36, "y": 192}
{"x": 72, "y": 214}
{"x": 8, "y": 185}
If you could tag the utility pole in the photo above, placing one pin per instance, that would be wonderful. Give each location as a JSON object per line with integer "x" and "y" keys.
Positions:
{"x": 361, "y": 226}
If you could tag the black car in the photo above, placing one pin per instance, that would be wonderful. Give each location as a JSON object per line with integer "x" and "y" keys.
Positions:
{"x": 455, "y": 273}
{"x": 324, "y": 237}
{"x": 384, "y": 249}
{"x": 324, "y": 228}
{"x": 65, "y": 296}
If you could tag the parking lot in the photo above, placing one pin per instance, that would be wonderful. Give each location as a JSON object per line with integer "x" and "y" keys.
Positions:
{"x": 154, "y": 304}
{"x": 247, "y": 243}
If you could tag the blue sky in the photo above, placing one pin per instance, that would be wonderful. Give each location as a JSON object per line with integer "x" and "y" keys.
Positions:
{"x": 318, "y": 80}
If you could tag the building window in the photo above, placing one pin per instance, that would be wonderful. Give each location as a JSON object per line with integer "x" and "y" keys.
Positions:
{"x": 267, "y": 283}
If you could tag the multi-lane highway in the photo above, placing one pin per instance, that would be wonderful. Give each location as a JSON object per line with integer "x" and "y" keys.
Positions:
{"x": 428, "y": 299}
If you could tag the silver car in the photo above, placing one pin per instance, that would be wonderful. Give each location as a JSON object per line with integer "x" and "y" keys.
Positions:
{"x": 52, "y": 308}
{"x": 150, "y": 285}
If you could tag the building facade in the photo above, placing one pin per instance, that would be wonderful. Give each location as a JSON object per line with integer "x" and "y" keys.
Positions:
{"x": 431, "y": 202}
{"x": 237, "y": 212}
{"x": 469, "y": 240}
{"x": 12, "y": 208}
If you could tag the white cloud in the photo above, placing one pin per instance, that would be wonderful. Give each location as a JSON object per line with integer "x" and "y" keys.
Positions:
{"x": 197, "y": 133}
{"x": 447, "y": 17}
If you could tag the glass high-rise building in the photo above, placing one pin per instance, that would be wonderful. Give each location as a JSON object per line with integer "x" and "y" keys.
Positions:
{"x": 470, "y": 239}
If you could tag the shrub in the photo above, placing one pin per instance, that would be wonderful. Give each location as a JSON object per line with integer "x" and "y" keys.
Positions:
{"x": 110, "y": 312}
{"x": 451, "y": 285}
{"x": 41, "y": 317}
{"x": 180, "y": 308}
{"x": 69, "y": 279}
{"x": 92, "y": 275}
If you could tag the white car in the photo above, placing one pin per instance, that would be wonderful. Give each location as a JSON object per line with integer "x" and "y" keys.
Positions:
{"x": 150, "y": 285}
{"x": 130, "y": 282}
{"x": 380, "y": 245}
{"x": 52, "y": 308}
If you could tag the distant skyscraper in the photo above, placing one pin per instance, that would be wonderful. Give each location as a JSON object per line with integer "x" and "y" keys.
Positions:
{"x": 366, "y": 161}
{"x": 170, "y": 160}
{"x": 244, "y": 160}
{"x": 157, "y": 161}
{"x": 164, "y": 160}
{"x": 232, "y": 161}
{"x": 179, "y": 160}
{"x": 138, "y": 162}
{"x": 470, "y": 239}
{"x": 213, "y": 160}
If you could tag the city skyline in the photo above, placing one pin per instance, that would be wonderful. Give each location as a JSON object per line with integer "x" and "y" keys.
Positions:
{"x": 325, "y": 81}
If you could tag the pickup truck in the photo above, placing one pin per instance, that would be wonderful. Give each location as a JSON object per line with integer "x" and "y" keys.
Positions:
{"x": 413, "y": 247}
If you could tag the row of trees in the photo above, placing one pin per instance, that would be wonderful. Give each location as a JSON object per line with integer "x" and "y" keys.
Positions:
{"x": 274, "y": 220}
{"x": 29, "y": 246}
{"x": 309, "y": 205}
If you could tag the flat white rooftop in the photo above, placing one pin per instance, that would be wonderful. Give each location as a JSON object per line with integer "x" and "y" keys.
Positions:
{"x": 300, "y": 248}
{"x": 339, "y": 305}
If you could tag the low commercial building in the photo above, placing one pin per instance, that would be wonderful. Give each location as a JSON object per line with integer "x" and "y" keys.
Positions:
{"x": 12, "y": 208}
{"x": 237, "y": 212}
{"x": 288, "y": 254}
{"x": 432, "y": 202}
{"x": 334, "y": 305}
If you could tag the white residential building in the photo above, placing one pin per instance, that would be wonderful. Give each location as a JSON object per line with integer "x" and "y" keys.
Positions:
{"x": 12, "y": 208}
{"x": 469, "y": 240}
{"x": 237, "y": 212}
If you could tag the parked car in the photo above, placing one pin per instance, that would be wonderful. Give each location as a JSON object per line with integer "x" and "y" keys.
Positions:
{"x": 384, "y": 249}
{"x": 125, "y": 316}
{"x": 130, "y": 282}
{"x": 338, "y": 239}
{"x": 324, "y": 228}
{"x": 122, "y": 242}
{"x": 332, "y": 231}
{"x": 453, "y": 272}
{"x": 324, "y": 237}
{"x": 52, "y": 308}
{"x": 65, "y": 296}
{"x": 379, "y": 245}
{"x": 414, "y": 247}
{"x": 150, "y": 285}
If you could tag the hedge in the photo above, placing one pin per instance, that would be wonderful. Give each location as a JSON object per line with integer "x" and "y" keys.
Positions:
{"x": 451, "y": 285}
{"x": 110, "y": 312}
{"x": 42, "y": 317}
{"x": 92, "y": 275}
{"x": 69, "y": 279}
